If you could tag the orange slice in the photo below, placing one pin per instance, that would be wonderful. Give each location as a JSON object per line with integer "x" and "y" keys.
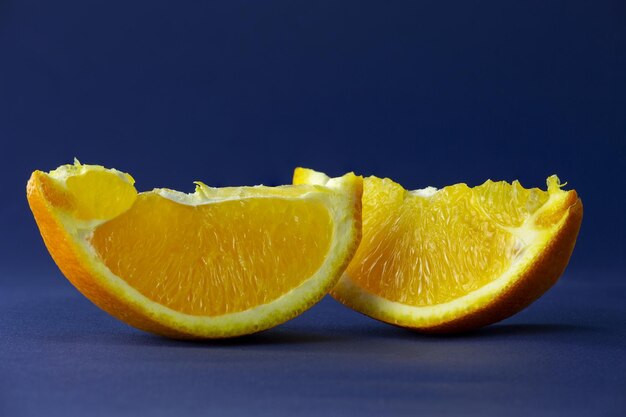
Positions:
{"x": 214, "y": 263}
{"x": 458, "y": 258}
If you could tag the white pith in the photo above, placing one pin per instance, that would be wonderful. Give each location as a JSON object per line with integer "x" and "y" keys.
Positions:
{"x": 530, "y": 242}
{"x": 333, "y": 196}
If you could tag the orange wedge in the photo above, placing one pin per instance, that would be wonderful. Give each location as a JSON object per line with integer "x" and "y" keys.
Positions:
{"x": 214, "y": 263}
{"x": 458, "y": 258}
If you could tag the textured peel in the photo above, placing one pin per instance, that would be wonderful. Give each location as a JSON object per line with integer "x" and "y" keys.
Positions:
{"x": 456, "y": 258}
{"x": 214, "y": 263}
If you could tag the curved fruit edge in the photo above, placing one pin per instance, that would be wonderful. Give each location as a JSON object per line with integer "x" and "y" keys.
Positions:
{"x": 494, "y": 302}
{"x": 502, "y": 298}
{"x": 119, "y": 299}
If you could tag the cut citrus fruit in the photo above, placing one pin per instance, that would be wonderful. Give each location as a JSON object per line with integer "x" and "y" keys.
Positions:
{"x": 458, "y": 258}
{"x": 216, "y": 263}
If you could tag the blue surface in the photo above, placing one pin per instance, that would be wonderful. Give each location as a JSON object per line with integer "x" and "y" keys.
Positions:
{"x": 240, "y": 92}
{"x": 564, "y": 356}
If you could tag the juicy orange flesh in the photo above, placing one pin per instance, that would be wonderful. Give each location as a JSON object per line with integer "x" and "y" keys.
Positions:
{"x": 87, "y": 190}
{"x": 92, "y": 195}
{"x": 215, "y": 258}
{"x": 427, "y": 250}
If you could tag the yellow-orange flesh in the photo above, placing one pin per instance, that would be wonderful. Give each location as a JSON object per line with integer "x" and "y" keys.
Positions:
{"x": 217, "y": 258}
{"x": 216, "y": 263}
{"x": 428, "y": 248}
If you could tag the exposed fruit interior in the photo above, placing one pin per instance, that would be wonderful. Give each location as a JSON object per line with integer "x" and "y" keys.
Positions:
{"x": 215, "y": 258}
{"x": 195, "y": 255}
{"x": 457, "y": 239}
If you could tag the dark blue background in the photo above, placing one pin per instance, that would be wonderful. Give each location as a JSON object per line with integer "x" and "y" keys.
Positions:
{"x": 231, "y": 93}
